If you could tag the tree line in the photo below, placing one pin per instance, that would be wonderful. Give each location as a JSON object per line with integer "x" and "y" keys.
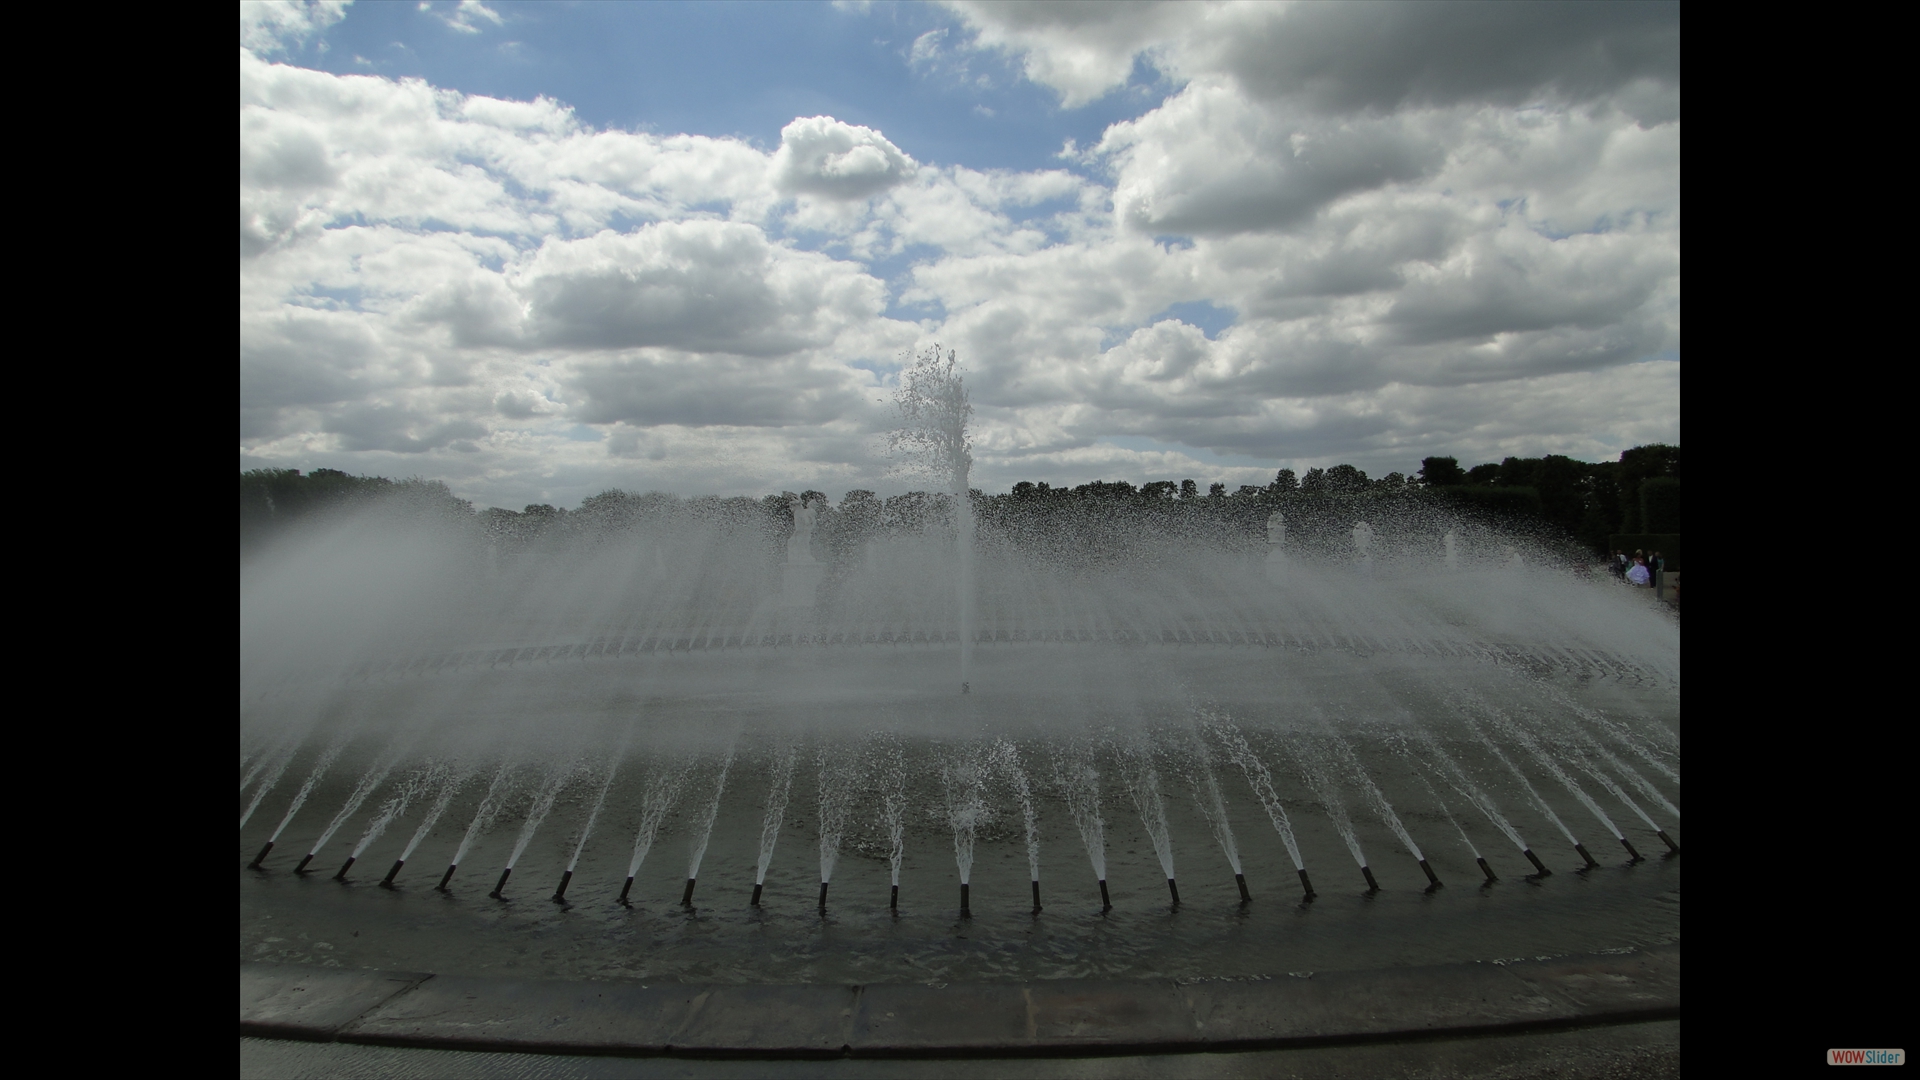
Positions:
{"x": 1557, "y": 499}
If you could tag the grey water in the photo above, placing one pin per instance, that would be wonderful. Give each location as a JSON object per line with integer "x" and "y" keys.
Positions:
{"x": 1098, "y": 668}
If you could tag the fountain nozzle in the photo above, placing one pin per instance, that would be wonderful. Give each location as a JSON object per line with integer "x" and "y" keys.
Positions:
{"x": 446, "y": 877}
{"x": 1591, "y": 863}
{"x": 342, "y": 875}
{"x": 756, "y": 895}
{"x": 502, "y": 883}
{"x": 1485, "y": 869}
{"x": 387, "y": 882}
{"x": 560, "y": 894}
{"x": 686, "y": 898}
{"x": 966, "y": 910}
{"x": 1245, "y": 896}
{"x": 625, "y": 889}
{"x": 302, "y": 868}
{"x": 1306, "y": 883}
{"x": 1672, "y": 848}
{"x": 1632, "y": 855}
{"x": 1175, "y": 890}
{"x": 1372, "y": 885}
{"x": 1431, "y": 876}
{"x": 1537, "y": 864}
{"x": 258, "y": 859}
{"x": 1105, "y": 904}
{"x": 893, "y": 901}
{"x": 823, "y": 898}
{"x": 1036, "y": 896}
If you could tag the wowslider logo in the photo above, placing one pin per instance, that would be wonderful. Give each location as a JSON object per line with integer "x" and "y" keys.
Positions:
{"x": 1866, "y": 1057}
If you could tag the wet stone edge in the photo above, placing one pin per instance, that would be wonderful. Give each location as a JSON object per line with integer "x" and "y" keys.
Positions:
{"x": 1032, "y": 1019}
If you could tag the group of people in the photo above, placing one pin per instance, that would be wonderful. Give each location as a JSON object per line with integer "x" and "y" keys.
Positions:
{"x": 1639, "y": 569}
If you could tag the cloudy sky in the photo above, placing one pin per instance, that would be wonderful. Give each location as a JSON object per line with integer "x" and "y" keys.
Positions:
{"x": 541, "y": 250}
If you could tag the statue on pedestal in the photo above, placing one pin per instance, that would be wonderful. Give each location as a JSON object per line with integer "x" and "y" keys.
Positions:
{"x": 1276, "y": 548}
{"x": 800, "y": 544}
{"x": 800, "y": 577}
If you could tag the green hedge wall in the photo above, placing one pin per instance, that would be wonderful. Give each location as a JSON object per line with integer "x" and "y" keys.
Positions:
{"x": 1660, "y": 504}
{"x": 1498, "y": 501}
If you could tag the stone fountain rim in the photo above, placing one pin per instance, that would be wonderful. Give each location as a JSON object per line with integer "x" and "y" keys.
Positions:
{"x": 1038, "y": 1018}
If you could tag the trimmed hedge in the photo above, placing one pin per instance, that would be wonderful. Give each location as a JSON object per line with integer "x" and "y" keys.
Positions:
{"x": 1667, "y": 544}
{"x": 1660, "y": 504}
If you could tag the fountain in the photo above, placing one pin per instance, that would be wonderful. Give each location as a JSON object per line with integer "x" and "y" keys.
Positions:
{"x": 977, "y": 693}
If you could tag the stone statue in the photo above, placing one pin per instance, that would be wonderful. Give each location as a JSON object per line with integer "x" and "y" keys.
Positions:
{"x": 1453, "y": 556}
{"x": 800, "y": 544}
{"x": 1276, "y": 565}
{"x": 1362, "y": 539}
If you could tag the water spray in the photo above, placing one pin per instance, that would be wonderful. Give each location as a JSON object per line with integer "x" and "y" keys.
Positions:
{"x": 319, "y": 769}
{"x": 663, "y": 787}
{"x": 704, "y": 832}
{"x": 1261, "y": 780}
{"x": 560, "y": 893}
